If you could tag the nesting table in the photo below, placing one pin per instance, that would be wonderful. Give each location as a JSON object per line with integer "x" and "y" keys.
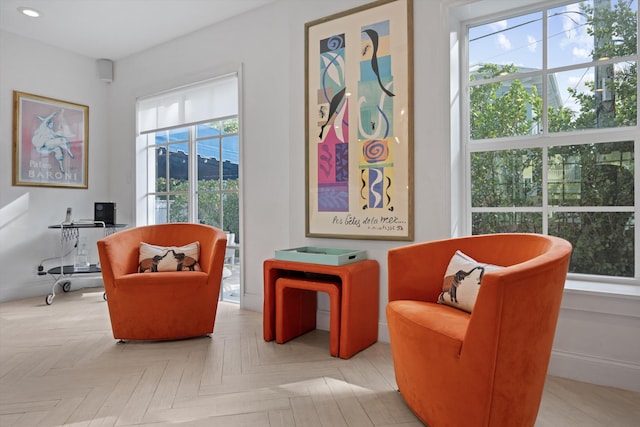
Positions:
{"x": 290, "y": 290}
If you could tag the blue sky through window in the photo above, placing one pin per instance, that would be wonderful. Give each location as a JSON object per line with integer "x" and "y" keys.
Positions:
{"x": 519, "y": 40}
{"x": 206, "y": 148}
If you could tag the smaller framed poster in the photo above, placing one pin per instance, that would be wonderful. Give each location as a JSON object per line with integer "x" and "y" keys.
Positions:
{"x": 50, "y": 142}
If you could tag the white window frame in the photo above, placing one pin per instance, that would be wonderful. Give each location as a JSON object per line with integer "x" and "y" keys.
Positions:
{"x": 192, "y": 191}
{"x": 145, "y": 163}
{"x": 542, "y": 140}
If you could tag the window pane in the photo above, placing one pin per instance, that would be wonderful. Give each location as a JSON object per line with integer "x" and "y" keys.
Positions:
{"x": 603, "y": 242}
{"x": 591, "y": 174}
{"x": 225, "y": 127}
{"x": 209, "y": 164}
{"x": 230, "y": 158}
{"x": 209, "y": 208}
{"x": 208, "y": 130}
{"x": 216, "y": 126}
{"x": 503, "y": 222}
{"x": 568, "y": 39}
{"x": 509, "y": 41}
{"x": 569, "y": 93}
{"x": 510, "y": 108}
{"x": 161, "y": 137}
{"x": 506, "y": 178}
{"x": 594, "y": 97}
{"x": 161, "y": 209}
{"x": 160, "y": 181}
{"x": 230, "y": 126}
{"x": 178, "y": 167}
{"x": 231, "y": 208}
{"x": 580, "y": 33}
{"x": 172, "y": 135}
{"x": 179, "y": 208}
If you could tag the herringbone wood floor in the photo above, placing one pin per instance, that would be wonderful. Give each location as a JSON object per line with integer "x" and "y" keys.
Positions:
{"x": 59, "y": 365}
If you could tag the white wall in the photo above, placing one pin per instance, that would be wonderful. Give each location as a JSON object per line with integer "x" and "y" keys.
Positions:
{"x": 268, "y": 46}
{"x": 26, "y": 212}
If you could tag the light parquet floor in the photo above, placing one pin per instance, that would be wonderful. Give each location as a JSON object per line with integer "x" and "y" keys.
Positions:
{"x": 60, "y": 366}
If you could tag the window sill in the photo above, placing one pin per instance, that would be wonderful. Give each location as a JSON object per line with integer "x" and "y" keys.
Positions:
{"x": 612, "y": 300}
{"x": 605, "y": 289}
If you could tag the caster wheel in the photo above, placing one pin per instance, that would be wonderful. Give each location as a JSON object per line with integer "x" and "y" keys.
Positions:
{"x": 49, "y": 299}
{"x": 66, "y": 286}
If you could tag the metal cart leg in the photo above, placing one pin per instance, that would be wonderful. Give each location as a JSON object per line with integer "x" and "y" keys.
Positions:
{"x": 65, "y": 284}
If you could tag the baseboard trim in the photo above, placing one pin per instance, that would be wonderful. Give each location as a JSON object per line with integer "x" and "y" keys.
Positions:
{"x": 252, "y": 302}
{"x": 322, "y": 320}
{"x": 595, "y": 370}
{"x": 322, "y": 323}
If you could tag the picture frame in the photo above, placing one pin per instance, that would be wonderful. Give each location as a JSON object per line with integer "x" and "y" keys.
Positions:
{"x": 50, "y": 142}
{"x": 359, "y": 123}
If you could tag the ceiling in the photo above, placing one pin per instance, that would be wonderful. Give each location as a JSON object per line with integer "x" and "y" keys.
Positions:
{"x": 115, "y": 29}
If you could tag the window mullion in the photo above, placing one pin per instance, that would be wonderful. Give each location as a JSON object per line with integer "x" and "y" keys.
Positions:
{"x": 193, "y": 175}
{"x": 167, "y": 187}
{"x": 545, "y": 74}
{"x": 636, "y": 209}
{"x": 465, "y": 133}
{"x": 545, "y": 190}
{"x": 220, "y": 181}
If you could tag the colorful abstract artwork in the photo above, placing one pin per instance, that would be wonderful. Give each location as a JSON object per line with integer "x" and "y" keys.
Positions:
{"x": 333, "y": 121}
{"x": 359, "y": 118}
{"x": 375, "y": 108}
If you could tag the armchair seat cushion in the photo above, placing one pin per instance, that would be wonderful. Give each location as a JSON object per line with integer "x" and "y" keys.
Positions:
{"x": 158, "y": 281}
{"x": 439, "y": 319}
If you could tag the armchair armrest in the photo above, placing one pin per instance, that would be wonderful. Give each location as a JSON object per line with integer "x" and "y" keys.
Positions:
{"x": 209, "y": 253}
{"x": 118, "y": 254}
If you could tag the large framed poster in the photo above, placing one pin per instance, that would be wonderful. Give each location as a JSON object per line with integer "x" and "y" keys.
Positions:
{"x": 359, "y": 123}
{"x": 50, "y": 142}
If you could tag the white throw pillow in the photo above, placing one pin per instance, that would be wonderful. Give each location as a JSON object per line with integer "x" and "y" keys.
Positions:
{"x": 462, "y": 281}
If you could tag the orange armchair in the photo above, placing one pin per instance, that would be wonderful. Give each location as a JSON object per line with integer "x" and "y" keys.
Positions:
{"x": 488, "y": 367}
{"x": 162, "y": 305}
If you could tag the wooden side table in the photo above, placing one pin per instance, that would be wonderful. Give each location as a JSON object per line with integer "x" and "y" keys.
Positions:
{"x": 360, "y": 283}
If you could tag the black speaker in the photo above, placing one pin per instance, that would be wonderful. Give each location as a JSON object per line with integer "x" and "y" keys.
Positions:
{"x": 105, "y": 212}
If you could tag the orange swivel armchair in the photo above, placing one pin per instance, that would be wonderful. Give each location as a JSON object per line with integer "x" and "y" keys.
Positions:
{"x": 165, "y": 304}
{"x": 487, "y": 367}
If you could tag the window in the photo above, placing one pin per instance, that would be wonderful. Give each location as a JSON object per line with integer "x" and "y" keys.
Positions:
{"x": 551, "y": 129}
{"x": 211, "y": 196}
{"x": 188, "y": 155}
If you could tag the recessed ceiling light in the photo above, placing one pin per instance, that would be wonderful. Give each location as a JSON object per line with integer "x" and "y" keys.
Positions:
{"x": 32, "y": 13}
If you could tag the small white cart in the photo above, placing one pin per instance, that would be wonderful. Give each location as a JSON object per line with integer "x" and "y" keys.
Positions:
{"x": 62, "y": 273}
